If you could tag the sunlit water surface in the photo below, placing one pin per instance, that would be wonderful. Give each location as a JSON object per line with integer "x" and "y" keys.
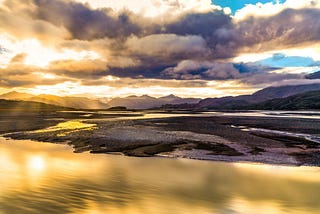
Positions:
{"x": 49, "y": 178}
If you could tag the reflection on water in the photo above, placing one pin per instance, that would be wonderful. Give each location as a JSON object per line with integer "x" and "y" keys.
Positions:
{"x": 68, "y": 127}
{"x": 49, "y": 178}
{"x": 314, "y": 138}
{"x": 282, "y": 114}
{"x": 124, "y": 115}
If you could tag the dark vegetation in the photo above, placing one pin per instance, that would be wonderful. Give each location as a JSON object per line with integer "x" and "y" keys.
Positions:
{"x": 28, "y": 106}
{"x": 305, "y": 101}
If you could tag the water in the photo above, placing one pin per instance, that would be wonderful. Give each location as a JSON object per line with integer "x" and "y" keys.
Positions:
{"x": 315, "y": 115}
{"x": 152, "y": 114}
{"x": 49, "y": 178}
{"x": 314, "y": 138}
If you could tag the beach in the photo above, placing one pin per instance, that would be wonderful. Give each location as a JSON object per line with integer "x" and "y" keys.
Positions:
{"x": 232, "y": 137}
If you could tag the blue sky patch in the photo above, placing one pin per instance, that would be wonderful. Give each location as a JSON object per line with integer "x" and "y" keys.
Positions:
{"x": 236, "y": 5}
{"x": 280, "y": 60}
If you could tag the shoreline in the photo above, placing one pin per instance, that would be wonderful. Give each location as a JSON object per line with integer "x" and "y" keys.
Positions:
{"x": 212, "y": 138}
{"x": 252, "y": 163}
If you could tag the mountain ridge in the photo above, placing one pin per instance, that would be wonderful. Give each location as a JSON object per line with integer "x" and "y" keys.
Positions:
{"x": 130, "y": 102}
{"x": 257, "y": 97}
{"x": 170, "y": 101}
{"x": 12, "y": 106}
{"x": 70, "y": 102}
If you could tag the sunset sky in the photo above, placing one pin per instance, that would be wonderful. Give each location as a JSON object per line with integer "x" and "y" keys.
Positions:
{"x": 190, "y": 48}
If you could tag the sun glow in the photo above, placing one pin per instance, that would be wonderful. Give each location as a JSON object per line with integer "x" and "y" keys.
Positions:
{"x": 36, "y": 163}
{"x": 213, "y": 89}
{"x": 48, "y": 76}
{"x": 41, "y": 57}
{"x": 36, "y": 54}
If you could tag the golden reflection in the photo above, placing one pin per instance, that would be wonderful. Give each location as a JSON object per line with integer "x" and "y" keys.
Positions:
{"x": 36, "y": 163}
{"x": 68, "y": 127}
{"x": 297, "y": 173}
{"x": 245, "y": 207}
{"x": 49, "y": 178}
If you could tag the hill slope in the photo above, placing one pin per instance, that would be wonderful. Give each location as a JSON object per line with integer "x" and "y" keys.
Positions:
{"x": 304, "y": 101}
{"x": 147, "y": 102}
{"x": 27, "y": 106}
{"x": 315, "y": 75}
{"x": 71, "y": 102}
{"x": 240, "y": 102}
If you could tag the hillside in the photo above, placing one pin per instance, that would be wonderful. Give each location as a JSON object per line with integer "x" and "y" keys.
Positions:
{"x": 27, "y": 106}
{"x": 304, "y": 101}
{"x": 73, "y": 102}
{"x": 147, "y": 102}
{"x": 13, "y": 95}
{"x": 70, "y": 102}
{"x": 243, "y": 101}
{"x": 315, "y": 75}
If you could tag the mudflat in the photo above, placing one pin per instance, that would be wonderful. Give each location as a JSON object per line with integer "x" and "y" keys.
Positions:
{"x": 230, "y": 137}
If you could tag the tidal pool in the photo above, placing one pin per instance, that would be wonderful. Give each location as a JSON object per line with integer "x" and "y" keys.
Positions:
{"x": 48, "y": 178}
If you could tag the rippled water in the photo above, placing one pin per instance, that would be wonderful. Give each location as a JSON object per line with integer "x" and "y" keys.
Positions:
{"x": 49, "y": 178}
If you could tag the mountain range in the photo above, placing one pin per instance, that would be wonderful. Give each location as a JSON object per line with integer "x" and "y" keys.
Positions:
{"x": 268, "y": 98}
{"x": 304, "y": 101}
{"x": 28, "y": 106}
{"x": 71, "y": 102}
{"x": 147, "y": 102}
{"x": 258, "y": 97}
{"x": 253, "y": 101}
{"x": 131, "y": 102}
{"x": 315, "y": 75}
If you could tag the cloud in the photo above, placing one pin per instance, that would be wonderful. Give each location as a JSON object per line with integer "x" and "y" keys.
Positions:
{"x": 83, "y": 22}
{"x": 290, "y": 27}
{"x": 211, "y": 70}
{"x": 272, "y": 8}
{"x": 17, "y": 19}
{"x": 168, "y": 45}
{"x": 18, "y": 75}
{"x": 154, "y": 8}
{"x": 215, "y": 27}
{"x": 191, "y": 69}
{"x": 183, "y": 41}
{"x": 264, "y": 79}
{"x": 222, "y": 71}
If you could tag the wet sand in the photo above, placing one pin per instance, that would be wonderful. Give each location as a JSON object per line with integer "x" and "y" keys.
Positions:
{"x": 221, "y": 138}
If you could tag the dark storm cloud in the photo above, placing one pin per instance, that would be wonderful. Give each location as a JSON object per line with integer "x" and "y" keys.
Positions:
{"x": 215, "y": 27}
{"x": 289, "y": 27}
{"x": 134, "y": 46}
{"x": 223, "y": 36}
{"x": 264, "y": 79}
{"x": 190, "y": 69}
{"x": 84, "y": 22}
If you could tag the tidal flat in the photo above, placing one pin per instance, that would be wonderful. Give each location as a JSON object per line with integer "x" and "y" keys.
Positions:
{"x": 283, "y": 138}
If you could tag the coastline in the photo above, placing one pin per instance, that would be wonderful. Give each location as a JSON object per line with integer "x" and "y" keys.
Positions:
{"x": 215, "y": 138}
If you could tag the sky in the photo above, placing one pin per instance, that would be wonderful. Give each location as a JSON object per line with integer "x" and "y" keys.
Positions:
{"x": 235, "y": 5}
{"x": 193, "y": 48}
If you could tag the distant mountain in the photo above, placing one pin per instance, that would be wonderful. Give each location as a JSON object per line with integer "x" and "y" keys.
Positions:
{"x": 131, "y": 102}
{"x": 13, "y": 95}
{"x": 147, "y": 102}
{"x": 175, "y": 100}
{"x": 315, "y": 75}
{"x": 304, "y": 101}
{"x": 72, "y": 102}
{"x": 286, "y": 91}
{"x": 27, "y": 106}
{"x": 260, "y": 96}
